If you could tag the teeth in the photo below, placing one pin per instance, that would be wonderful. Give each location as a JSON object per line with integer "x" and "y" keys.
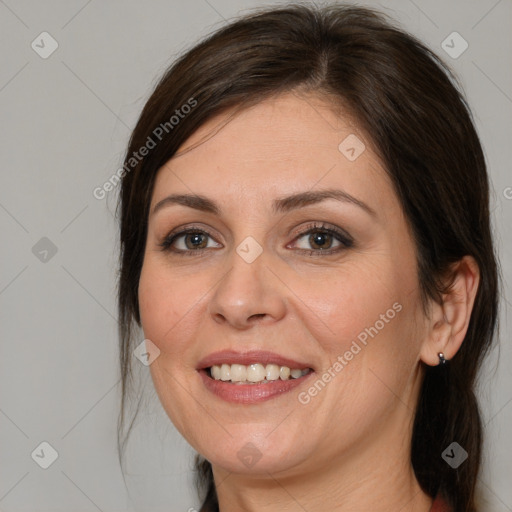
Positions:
{"x": 255, "y": 373}
{"x": 216, "y": 372}
{"x": 284, "y": 373}
{"x": 238, "y": 373}
{"x": 272, "y": 372}
{"x": 225, "y": 372}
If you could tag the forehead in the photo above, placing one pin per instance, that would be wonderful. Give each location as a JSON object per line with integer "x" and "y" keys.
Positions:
{"x": 283, "y": 145}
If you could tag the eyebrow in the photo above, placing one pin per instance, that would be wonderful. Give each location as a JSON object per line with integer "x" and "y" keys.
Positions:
{"x": 281, "y": 205}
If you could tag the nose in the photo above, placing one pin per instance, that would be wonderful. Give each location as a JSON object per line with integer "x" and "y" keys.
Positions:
{"x": 247, "y": 294}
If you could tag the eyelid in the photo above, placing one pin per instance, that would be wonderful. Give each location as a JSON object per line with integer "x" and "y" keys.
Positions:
{"x": 323, "y": 226}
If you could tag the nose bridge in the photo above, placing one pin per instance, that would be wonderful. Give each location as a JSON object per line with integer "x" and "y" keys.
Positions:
{"x": 248, "y": 290}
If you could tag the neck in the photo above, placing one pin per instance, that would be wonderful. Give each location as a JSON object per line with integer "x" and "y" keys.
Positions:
{"x": 374, "y": 475}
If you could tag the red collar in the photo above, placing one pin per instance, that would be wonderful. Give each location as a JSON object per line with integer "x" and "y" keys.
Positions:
{"x": 440, "y": 505}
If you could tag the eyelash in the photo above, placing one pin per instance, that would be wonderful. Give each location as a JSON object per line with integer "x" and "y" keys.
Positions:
{"x": 342, "y": 237}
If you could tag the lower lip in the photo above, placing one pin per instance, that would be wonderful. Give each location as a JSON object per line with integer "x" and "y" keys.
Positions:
{"x": 250, "y": 393}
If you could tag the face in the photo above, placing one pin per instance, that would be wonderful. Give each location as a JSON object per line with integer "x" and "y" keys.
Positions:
{"x": 273, "y": 270}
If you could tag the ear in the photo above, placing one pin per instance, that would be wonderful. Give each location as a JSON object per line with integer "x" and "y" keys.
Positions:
{"x": 449, "y": 321}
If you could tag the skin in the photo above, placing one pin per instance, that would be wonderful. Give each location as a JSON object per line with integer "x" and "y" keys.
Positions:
{"x": 348, "y": 448}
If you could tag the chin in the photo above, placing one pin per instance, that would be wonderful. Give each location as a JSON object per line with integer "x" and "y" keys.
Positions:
{"x": 254, "y": 457}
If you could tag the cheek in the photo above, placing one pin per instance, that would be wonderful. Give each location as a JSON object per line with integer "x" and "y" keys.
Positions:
{"x": 346, "y": 305}
{"x": 365, "y": 325}
{"x": 164, "y": 304}
{"x": 167, "y": 306}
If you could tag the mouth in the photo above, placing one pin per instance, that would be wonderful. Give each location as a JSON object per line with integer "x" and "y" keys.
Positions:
{"x": 251, "y": 377}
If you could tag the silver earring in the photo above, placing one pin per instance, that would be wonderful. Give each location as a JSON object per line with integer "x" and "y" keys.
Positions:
{"x": 442, "y": 360}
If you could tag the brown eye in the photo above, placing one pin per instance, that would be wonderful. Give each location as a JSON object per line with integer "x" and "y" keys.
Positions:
{"x": 188, "y": 241}
{"x": 322, "y": 239}
{"x": 195, "y": 240}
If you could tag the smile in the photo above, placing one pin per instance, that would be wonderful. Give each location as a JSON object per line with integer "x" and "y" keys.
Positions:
{"x": 252, "y": 376}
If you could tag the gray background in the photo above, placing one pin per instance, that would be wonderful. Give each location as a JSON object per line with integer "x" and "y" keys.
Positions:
{"x": 65, "y": 121}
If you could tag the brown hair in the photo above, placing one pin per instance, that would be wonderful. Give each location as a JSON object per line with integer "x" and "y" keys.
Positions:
{"x": 410, "y": 106}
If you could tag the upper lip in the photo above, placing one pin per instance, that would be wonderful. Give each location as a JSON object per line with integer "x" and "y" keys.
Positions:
{"x": 250, "y": 357}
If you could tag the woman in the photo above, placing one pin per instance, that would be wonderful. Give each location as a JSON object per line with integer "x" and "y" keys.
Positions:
{"x": 306, "y": 245}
